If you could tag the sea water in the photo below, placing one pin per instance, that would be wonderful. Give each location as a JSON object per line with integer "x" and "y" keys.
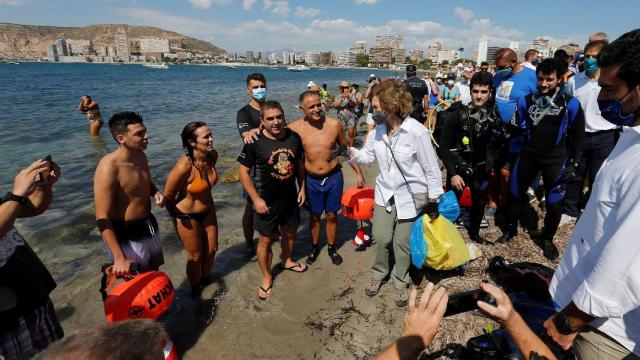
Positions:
{"x": 38, "y": 117}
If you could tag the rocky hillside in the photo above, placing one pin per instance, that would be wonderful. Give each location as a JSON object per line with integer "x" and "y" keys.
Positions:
{"x": 31, "y": 41}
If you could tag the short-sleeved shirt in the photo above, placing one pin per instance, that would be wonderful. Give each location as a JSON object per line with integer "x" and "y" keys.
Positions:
{"x": 418, "y": 89}
{"x": 247, "y": 119}
{"x": 275, "y": 164}
{"x": 511, "y": 88}
{"x": 586, "y": 90}
{"x": 449, "y": 94}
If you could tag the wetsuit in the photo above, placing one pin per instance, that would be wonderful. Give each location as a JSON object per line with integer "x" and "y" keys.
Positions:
{"x": 553, "y": 135}
{"x": 469, "y": 139}
{"x": 418, "y": 90}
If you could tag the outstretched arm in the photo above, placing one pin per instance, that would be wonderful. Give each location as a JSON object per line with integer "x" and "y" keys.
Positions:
{"x": 342, "y": 141}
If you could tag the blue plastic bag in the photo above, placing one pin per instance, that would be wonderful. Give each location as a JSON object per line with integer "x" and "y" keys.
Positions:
{"x": 449, "y": 206}
{"x": 417, "y": 244}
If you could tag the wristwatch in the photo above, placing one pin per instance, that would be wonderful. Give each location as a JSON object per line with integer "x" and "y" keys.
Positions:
{"x": 9, "y": 196}
{"x": 563, "y": 325}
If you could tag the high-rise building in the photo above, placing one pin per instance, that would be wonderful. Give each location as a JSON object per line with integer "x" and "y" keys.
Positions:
{"x": 360, "y": 47}
{"x": 416, "y": 55}
{"x": 122, "y": 46}
{"x": 483, "y": 46}
{"x": 154, "y": 45}
{"x": 458, "y": 54}
{"x": 112, "y": 52}
{"x": 325, "y": 58}
{"x": 249, "y": 55}
{"x": 52, "y": 53}
{"x": 259, "y": 55}
{"x": 285, "y": 58}
{"x": 79, "y": 47}
{"x": 432, "y": 51}
{"x": 491, "y": 51}
{"x": 380, "y": 56}
{"x": 542, "y": 45}
{"x": 515, "y": 46}
{"x": 61, "y": 47}
{"x": 395, "y": 42}
{"x": 103, "y": 51}
{"x": 446, "y": 55}
{"x": 312, "y": 58}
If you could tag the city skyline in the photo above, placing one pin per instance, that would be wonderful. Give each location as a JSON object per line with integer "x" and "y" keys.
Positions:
{"x": 240, "y": 25}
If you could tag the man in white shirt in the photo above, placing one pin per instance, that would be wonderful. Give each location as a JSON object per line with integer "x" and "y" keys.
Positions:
{"x": 531, "y": 59}
{"x": 600, "y": 135}
{"x": 597, "y": 283}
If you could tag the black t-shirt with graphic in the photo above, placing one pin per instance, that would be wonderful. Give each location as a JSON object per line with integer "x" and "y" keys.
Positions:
{"x": 275, "y": 164}
{"x": 247, "y": 119}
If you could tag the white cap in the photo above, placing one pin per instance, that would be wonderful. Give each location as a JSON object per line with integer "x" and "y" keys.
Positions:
{"x": 310, "y": 83}
{"x": 372, "y": 75}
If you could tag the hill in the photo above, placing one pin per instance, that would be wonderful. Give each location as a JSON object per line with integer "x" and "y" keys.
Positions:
{"x": 30, "y": 41}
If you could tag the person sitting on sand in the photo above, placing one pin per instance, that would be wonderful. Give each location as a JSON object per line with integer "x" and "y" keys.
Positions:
{"x": 92, "y": 109}
{"x": 324, "y": 182}
{"x": 122, "y": 187}
{"x": 190, "y": 204}
{"x": 277, "y": 156}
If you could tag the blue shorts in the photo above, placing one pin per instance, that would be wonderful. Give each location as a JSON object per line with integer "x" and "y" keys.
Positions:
{"x": 324, "y": 192}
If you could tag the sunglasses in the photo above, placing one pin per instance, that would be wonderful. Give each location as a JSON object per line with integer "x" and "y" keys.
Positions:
{"x": 271, "y": 118}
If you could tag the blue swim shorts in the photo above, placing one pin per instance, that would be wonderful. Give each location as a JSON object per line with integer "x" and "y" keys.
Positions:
{"x": 324, "y": 192}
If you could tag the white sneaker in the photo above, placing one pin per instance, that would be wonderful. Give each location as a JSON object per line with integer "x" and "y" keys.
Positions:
{"x": 567, "y": 219}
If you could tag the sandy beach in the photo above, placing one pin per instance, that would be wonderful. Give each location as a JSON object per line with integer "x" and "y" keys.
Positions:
{"x": 320, "y": 314}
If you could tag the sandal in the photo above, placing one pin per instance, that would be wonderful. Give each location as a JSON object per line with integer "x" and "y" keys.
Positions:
{"x": 301, "y": 268}
{"x": 266, "y": 291}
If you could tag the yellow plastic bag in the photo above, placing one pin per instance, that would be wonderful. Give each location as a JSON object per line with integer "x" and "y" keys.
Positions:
{"x": 447, "y": 249}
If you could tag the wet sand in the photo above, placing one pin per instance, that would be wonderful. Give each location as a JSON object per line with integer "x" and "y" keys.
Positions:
{"x": 320, "y": 314}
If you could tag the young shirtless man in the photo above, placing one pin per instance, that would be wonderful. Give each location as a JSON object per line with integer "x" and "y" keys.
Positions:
{"x": 320, "y": 136}
{"x": 92, "y": 109}
{"x": 122, "y": 191}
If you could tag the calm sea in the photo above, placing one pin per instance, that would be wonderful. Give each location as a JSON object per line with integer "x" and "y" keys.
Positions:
{"x": 38, "y": 117}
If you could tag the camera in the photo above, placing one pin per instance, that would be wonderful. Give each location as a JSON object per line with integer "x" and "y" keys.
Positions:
{"x": 465, "y": 168}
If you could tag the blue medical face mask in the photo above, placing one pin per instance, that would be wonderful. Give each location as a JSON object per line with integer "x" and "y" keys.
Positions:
{"x": 259, "y": 94}
{"x": 379, "y": 117}
{"x": 535, "y": 62}
{"x": 504, "y": 72}
{"x": 611, "y": 110}
{"x": 591, "y": 65}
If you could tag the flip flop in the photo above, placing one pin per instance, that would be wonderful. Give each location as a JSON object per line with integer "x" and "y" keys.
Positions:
{"x": 297, "y": 266}
{"x": 266, "y": 291}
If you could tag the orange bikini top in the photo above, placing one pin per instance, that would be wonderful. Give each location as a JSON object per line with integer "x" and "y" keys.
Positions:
{"x": 199, "y": 185}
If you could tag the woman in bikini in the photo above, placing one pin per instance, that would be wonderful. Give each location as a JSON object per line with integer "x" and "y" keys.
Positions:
{"x": 92, "y": 109}
{"x": 190, "y": 203}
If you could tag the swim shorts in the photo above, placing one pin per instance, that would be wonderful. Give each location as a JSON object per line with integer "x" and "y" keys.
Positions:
{"x": 285, "y": 216}
{"x": 324, "y": 192}
{"x": 139, "y": 241}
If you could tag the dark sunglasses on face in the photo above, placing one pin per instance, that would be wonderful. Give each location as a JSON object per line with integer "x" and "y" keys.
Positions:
{"x": 271, "y": 118}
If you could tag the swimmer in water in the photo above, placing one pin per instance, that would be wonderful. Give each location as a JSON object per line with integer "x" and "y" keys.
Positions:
{"x": 92, "y": 109}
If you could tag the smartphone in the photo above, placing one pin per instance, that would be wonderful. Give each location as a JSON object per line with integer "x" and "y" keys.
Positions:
{"x": 45, "y": 173}
{"x": 467, "y": 301}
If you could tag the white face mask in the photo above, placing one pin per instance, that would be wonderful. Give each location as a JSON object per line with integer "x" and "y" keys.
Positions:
{"x": 450, "y": 82}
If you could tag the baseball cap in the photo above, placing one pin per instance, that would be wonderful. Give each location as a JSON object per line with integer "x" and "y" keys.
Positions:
{"x": 411, "y": 68}
{"x": 568, "y": 49}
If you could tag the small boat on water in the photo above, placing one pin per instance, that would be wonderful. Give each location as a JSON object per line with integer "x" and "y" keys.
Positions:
{"x": 156, "y": 66}
{"x": 298, "y": 68}
{"x": 14, "y": 63}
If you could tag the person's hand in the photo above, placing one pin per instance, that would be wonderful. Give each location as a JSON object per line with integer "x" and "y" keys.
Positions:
{"x": 302, "y": 197}
{"x": 564, "y": 341}
{"x": 503, "y": 312}
{"x": 432, "y": 209}
{"x": 261, "y": 206}
{"x": 251, "y": 135}
{"x": 457, "y": 183}
{"x": 121, "y": 266}
{"x": 160, "y": 199}
{"x": 360, "y": 181}
{"x": 424, "y": 319}
{"x": 25, "y": 182}
{"x": 54, "y": 174}
{"x": 351, "y": 152}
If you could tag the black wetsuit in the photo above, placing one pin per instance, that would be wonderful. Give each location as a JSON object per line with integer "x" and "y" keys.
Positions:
{"x": 473, "y": 161}
{"x": 418, "y": 90}
{"x": 552, "y": 138}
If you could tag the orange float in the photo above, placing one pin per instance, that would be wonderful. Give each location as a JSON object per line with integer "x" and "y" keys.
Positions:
{"x": 358, "y": 204}
{"x": 146, "y": 295}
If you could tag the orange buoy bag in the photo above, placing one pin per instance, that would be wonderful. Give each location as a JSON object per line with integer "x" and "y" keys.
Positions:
{"x": 147, "y": 295}
{"x": 358, "y": 203}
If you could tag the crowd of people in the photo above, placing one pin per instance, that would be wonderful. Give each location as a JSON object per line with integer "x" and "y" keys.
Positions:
{"x": 542, "y": 124}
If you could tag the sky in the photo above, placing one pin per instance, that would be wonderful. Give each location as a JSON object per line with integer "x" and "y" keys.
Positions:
{"x": 240, "y": 25}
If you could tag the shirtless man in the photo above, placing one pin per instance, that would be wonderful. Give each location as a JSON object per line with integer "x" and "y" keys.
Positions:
{"x": 92, "y": 109}
{"x": 122, "y": 188}
{"x": 320, "y": 135}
